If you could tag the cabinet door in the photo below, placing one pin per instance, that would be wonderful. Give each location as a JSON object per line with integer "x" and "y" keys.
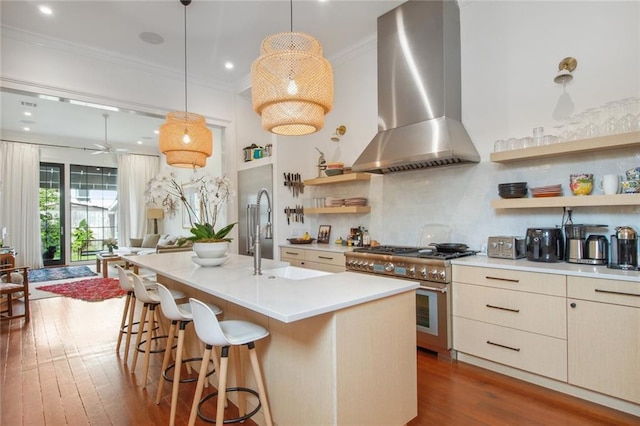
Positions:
{"x": 604, "y": 348}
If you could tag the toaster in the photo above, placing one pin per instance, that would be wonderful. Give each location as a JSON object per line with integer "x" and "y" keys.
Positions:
{"x": 506, "y": 247}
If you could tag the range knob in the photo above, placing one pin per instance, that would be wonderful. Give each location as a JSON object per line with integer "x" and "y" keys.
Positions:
{"x": 494, "y": 244}
{"x": 423, "y": 272}
{"x": 434, "y": 273}
{"x": 443, "y": 275}
{"x": 389, "y": 267}
{"x": 411, "y": 271}
{"x": 508, "y": 245}
{"x": 371, "y": 266}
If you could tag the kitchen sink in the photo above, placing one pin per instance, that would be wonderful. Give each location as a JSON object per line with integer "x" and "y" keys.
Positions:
{"x": 294, "y": 273}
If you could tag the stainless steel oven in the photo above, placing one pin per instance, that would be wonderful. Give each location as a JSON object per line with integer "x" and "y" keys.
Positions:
{"x": 433, "y": 272}
{"x": 432, "y": 317}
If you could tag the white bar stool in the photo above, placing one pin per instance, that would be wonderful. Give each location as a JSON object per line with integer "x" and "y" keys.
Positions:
{"x": 226, "y": 334}
{"x": 150, "y": 300}
{"x": 127, "y": 324}
{"x": 180, "y": 316}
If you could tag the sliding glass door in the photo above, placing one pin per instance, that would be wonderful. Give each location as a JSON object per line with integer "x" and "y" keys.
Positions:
{"x": 52, "y": 213}
{"x": 94, "y": 206}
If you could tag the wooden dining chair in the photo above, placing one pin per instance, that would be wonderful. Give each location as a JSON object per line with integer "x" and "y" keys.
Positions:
{"x": 14, "y": 280}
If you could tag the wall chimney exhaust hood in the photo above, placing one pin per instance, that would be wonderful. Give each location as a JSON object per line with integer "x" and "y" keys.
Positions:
{"x": 419, "y": 118}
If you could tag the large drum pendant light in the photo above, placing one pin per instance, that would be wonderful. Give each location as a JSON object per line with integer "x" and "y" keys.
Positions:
{"x": 292, "y": 83}
{"x": 184, "y": 137}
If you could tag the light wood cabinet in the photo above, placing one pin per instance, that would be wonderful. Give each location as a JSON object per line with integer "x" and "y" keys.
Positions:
{"x": 511, "y": 317}
{"x": 604, "y": 143}
{"x": 321, "y": 260}
{"x": 604, "y": 336}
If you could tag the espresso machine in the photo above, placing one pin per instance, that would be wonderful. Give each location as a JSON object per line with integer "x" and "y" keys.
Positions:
{"x": 624, "y": 249}
{"x": 592, "y": 250}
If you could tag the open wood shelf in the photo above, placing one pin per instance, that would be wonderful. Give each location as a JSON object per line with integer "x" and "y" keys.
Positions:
{"x": 603, "y": 143}
{"x": 337, "y": 210}
{"x": 349, "y": 177}
{"x": 569, "y": 201}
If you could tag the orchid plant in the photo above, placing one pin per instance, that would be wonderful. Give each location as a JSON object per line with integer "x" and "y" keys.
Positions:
{"x": 202, "y": 197}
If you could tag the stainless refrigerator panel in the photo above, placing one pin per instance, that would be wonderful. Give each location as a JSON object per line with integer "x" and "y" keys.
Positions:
{"x": 250, "y": 181}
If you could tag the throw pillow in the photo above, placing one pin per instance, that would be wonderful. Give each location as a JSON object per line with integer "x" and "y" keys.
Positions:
{"x": 135, "y": 242}
{"x": 150, "y": 240}
{"x": 167, "y": 240}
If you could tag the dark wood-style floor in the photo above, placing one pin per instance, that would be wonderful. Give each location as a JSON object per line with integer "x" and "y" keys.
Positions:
{"x": 62, "y": 368}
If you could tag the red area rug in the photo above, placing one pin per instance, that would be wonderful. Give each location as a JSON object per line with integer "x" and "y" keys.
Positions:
{"x": 91, "y": 290}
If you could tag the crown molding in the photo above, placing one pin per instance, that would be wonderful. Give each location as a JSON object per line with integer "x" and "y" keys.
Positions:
{"x": 42, "y": 41}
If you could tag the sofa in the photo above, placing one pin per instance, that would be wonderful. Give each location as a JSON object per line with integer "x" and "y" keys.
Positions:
{"x": 156, "y": 243}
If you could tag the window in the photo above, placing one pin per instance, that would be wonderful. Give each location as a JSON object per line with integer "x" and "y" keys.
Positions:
{"x": 94, "y": 206}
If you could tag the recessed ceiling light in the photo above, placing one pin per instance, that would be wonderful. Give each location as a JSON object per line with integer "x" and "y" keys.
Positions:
{"x": 27, "y": 113}
{"x": 26, "y": 129}
{"x": 139, "y": 142}
{"x": 228, "y": 65}
{"x": 157, "y": 132}
{"x": 45, "y": 10}
{"x": 151, "y": 38}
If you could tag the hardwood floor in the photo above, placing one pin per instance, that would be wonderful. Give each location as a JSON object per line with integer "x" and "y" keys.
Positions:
{"x": 61, "y": 368}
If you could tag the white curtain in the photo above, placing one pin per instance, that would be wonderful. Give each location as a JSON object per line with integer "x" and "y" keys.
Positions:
{"x": 19, "y": 201}
{"x": 134, "y": 171}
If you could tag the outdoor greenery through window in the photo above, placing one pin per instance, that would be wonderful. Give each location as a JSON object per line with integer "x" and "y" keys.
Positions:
{"x": 51, "y": 212}
{"x": 94, "y": 204}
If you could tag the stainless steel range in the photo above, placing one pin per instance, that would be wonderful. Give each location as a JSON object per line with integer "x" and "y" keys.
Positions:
{"x": 432, "y": 268}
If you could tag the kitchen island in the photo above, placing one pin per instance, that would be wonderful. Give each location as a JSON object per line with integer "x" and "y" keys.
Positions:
{"x": 341, "y": 349}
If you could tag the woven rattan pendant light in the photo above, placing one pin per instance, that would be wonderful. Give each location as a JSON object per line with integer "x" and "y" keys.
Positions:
{"x": 184, "y": 137}
{"x": 291, "y": 83}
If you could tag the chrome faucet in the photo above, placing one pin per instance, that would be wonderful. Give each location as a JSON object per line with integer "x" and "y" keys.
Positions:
{"x": 268, "y": 232}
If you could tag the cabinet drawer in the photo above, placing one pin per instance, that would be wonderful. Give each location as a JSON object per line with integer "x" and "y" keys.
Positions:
{"x": 533, "y": 282}
{"x": 325, "y": 257}
{"x": 600, "y": 290}
{"x": 536, "y": 313}
{"x": 292, "y": 253}
{"x": 324, "y": 267}
{"x": 543, "y": 355}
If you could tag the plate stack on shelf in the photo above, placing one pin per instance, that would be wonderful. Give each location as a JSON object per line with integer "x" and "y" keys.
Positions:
{"x": 334, "y": 202}
{"x": 355, "y": 201}
{"x": 547, "y": 191}
{"x": 512, "y": 190}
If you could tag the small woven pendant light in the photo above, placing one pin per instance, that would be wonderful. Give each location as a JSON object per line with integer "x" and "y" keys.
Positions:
{"x": 291, "y": 84}
{"x": 185, "y": 138}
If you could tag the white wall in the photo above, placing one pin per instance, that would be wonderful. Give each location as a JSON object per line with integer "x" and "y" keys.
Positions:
{"x": 510, "y": 54}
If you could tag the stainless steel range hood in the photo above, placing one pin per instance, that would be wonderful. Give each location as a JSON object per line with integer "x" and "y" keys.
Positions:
{"x": 418, "y": 91}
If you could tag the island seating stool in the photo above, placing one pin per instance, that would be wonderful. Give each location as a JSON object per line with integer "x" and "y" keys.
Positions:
{"x": 150, "y": 301}
{"x": 226, "y": 334}
{"x": 127, "y": 324}
{"x": 180, "y": 316}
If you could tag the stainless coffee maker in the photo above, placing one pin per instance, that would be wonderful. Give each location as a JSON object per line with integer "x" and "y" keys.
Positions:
{"x": 624, "y": 249}
{"x": 592, "y": 250}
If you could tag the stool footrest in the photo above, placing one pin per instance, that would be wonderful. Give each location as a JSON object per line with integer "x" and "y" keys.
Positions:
{"x": 124, "y": 328}
{"x": 140, "y": 347}
{"x": 169, "y": 378}
{"x": 237, "y": 419}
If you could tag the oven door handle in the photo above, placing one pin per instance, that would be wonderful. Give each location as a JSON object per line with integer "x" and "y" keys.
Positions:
{"x": 441, "y": 290}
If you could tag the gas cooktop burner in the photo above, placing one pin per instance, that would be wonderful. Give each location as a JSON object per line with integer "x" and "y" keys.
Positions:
{"x": 416, "y": 252}
{"x": 395, "y": 250}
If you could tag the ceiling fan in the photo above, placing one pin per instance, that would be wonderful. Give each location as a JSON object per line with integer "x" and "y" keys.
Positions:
{"x": 106, "y": 148}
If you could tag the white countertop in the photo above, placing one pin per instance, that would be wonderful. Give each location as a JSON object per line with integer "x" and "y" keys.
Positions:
{"x": 283, "y": 299}
{"x": 561, "y": 268}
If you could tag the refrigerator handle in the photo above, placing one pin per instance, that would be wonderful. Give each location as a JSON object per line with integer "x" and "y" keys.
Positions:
{"x": 252, "y": 211}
